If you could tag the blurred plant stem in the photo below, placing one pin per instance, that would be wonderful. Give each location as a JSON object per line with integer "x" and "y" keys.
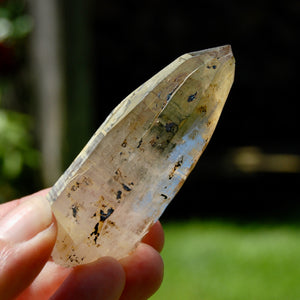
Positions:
{"x": 46, "y": 66}
{"x": 60, "y": 47}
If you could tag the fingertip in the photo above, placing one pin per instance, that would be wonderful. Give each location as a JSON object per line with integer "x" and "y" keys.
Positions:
{"x": 144, "y": 270}
{"x": 155, "y": 237}
{"x": 103, "y": 279}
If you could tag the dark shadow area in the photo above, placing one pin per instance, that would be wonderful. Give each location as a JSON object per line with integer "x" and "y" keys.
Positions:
{"x": 131, "y": 41}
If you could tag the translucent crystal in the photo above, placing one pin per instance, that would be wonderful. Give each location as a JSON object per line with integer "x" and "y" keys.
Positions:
{"x": 138, "y": 159}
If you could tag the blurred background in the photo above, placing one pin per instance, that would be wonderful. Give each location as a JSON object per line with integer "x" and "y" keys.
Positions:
{"x": 64, "y": 65}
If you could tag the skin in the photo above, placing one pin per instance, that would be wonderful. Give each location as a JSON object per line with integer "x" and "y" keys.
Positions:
{"x": 27, "y": 271}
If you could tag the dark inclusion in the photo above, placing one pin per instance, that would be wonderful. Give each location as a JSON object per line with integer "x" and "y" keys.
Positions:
{"x": 126, "y": 188}
{"x": 140, "y": 143}
{"x": 213, "y": 66}
{"x": 75, "y": 209}
{"x": 104, "y": 216}
{"x": 192, "y": 97}
{"x": 169, "y": 96}
{"x": 96, "y": 232}
{"x": 171, "y": 127}
{"x": 119, "y": 194}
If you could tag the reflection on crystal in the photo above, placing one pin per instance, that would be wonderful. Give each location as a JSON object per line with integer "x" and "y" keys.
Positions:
{"x": 139, "y": 158}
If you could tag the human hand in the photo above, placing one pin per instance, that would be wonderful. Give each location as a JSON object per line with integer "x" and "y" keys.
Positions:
{"x": 27, "y": 236}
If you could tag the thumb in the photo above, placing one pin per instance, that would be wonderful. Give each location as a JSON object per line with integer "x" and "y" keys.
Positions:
{"x": 27, "y": 236}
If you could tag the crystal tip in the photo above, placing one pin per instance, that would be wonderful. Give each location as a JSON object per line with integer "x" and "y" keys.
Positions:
{"x": 218, "y": 51}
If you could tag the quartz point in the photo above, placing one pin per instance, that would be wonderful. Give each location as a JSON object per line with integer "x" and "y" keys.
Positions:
{"x": 138, "y": 159}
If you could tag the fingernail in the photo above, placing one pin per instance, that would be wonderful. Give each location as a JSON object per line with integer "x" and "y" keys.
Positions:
{"x": 26, "y": 220}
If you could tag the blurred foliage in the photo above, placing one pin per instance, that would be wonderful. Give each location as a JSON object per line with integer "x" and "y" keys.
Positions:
{"x": 16, "y": 150}
{"x": 15, "y": 26}
{"x": 19, "y": 159}
{"x": 15, "y": 144}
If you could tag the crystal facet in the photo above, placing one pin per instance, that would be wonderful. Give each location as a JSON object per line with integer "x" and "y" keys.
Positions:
{"x": 138, "y": 159}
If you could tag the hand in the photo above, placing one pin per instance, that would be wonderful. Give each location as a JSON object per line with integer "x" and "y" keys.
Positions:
{"x": 27, "y": 236}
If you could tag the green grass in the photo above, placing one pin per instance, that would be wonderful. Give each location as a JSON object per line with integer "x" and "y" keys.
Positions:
{"x": 220, "y": 261}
